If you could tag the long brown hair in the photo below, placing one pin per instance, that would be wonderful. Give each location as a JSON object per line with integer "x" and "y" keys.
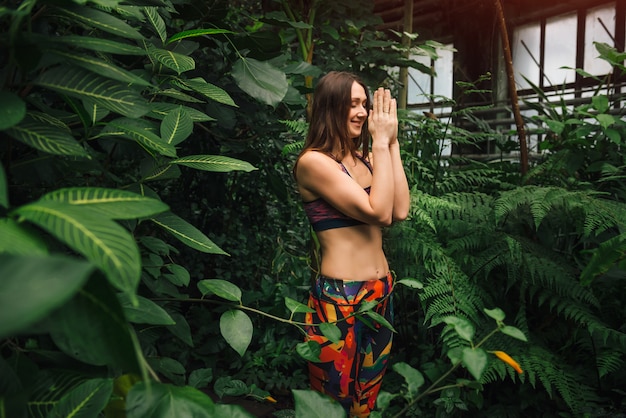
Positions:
{"x": 332, "y": 99}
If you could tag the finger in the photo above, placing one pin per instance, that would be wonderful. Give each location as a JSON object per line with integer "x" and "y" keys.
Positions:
{"x": 387, "y": 101}
{"x": 393, "y": 110}
{"x": 379, "y": 98}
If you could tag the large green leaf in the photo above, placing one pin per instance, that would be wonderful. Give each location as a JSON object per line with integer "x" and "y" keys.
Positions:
{"x": 260, "y": 80}
{"x": 92, "y": 328}
{"x": 160, "y": 110}
{"x": 414, "y": 379}
{"x": 216, "y": 163}
{"x": 181, "y": 329}
{"x": 32, "y": 286}
{"x": 160, "y": 400}
{"x": 157, "y": 22}
{"x": 85, "y": 401}
{"x": 100, "y": 240}
{"x": 16, "y": 238}
{"x": 196, "y": 32}
{"x": 144, "y": 312}
{"x": 12, "y": 109}
{"x": 99, "y": 44}
{"x": 209, "y": 90}
{"x": 110, "y": 203}
{"x": 101, "y": 20}
{"x": 113, "y": 95}
{"x": 475, "y": 361}
{"x": 136, "y": 130}
{"x": 178, "y": 95}
{"x": 187, "y": 233}
{"x": 176, "y": 126}
{"x": 101, "y": 67}
{"x": 174, "y": 61}
{"x": 49, "y": 386}
{"x": 49, "y": 138}
{"x": 236, "y": 328}
{"x": 221, "y": 288}
{"x": 312, "y": 404}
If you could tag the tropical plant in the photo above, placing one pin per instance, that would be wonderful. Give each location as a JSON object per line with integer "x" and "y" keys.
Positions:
{"x": 97, "y": 103}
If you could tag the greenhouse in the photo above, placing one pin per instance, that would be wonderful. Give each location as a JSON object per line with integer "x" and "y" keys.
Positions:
{"x": 260, "y": 208}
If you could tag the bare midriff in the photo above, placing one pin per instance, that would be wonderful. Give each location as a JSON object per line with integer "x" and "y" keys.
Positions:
{"x": 353, "y": 253}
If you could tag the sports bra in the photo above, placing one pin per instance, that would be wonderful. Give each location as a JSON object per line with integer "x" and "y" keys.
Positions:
{"x": 322, "y": 215}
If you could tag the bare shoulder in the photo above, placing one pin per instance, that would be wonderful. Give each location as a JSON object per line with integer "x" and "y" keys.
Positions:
{"x": 312, "y": 156}
{"x": 314, "y": 162}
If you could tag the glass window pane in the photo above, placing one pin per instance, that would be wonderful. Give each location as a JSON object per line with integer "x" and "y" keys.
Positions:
{"x": 560, "y": 50}
{"x": 443, "y": 69}
{"x": 418, "y": 90}
{"x": 525, "y": 46}
{"x": 600, "y": 27}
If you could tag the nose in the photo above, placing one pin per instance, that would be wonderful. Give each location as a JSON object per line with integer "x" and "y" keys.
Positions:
{"x": 362, "y": 112}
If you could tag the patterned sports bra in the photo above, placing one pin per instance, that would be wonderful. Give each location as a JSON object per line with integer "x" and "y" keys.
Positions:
{"x": 322, "y": 215}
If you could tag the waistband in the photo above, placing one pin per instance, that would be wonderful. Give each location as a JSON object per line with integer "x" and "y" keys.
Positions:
{"x": 351, "y": 291}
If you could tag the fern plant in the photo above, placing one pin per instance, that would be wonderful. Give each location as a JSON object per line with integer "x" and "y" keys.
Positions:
{"x": 548, "y": 255}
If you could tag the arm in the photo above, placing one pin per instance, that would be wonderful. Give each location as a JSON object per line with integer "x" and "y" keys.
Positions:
{"x": 319, "y": 175}
{"x": 401, "y": 197}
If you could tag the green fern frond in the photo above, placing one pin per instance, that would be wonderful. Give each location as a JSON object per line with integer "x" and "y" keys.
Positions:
{"x": 470, "y": 179}
{"x": 299, "y": 127}
{"x": 593, "y": 214}
{"x": 292, "y": 148}
{"x": 449, "y": 292}
{"x": 610, "y": 361}
{"x": 544, "y": 273}
{"x": 541, "y": 366}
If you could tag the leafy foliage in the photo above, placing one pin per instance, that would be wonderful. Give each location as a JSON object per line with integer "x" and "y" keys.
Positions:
{"x": 152, "y": 245}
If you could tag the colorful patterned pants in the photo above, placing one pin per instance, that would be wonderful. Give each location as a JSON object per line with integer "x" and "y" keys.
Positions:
{"x": 351, "y": 370}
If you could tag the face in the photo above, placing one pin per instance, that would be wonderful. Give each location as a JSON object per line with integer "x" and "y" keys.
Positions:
{"x": 358, "y": 110}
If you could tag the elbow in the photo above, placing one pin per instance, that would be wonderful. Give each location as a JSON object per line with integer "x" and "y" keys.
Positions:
{"x": 400, "y": 215}
{"x": 385, "y": 220}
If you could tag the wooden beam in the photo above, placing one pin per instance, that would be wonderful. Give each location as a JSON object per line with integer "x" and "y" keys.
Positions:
{"x": 407, "y": 26}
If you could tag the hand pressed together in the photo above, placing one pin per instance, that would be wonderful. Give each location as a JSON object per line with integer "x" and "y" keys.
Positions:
{"x": 383, "y": 119}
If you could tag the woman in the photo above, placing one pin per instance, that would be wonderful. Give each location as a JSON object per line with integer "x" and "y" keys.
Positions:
{"x": 349, "y": 193}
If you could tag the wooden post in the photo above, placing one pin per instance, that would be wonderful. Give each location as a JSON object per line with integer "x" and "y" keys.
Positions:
{"x": 407, "y": 26}
{"x": 508, "y": 60}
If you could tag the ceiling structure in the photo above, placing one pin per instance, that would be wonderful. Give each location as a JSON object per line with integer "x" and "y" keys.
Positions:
{"x": 435, "y": 19}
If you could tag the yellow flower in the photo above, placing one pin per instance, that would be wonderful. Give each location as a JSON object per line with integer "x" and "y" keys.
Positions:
{"x": 508, "y": 360}
{"x": 270, "y": 399}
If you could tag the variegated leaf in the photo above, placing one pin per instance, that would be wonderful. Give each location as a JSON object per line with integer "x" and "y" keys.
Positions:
{"x": 110, "y": 203}
{"x": 102, "y": 68}
{"x": 45, "y": 137}
{"x": 176, "y": 126}
{"x": 136, "y": 130}
{"x": 210, "y": 91}
{"x": 217, "y": 163}
{"x": 101, "y": 20}
{"x": 196, "y": 32}
{"x": 186, "y": 233}
{"x": 157, "y": 22}
{"x": 102, "y": 241}
{"x": 99, "y": 44}
{"x": 160, "y": 110}
{"x": 83, "y": 84}
{"x": 172, "y": 60}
